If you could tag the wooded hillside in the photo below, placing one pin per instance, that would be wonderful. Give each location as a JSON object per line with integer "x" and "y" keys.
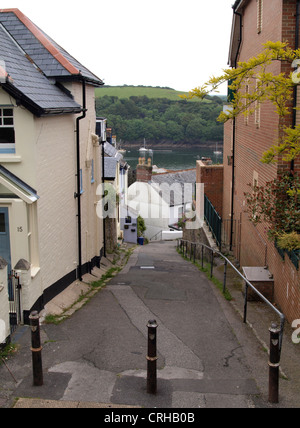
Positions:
{"x": 161, "y": 120}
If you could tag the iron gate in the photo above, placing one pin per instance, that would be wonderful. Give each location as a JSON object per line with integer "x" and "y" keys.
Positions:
{"x": 15, "y": 301}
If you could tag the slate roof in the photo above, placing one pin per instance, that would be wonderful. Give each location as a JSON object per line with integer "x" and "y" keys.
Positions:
{"x": 110, "y": 168}
{"x": 36, "y": 65}
{"x": 183, "y": 176}
{"x": 28, "y": 85}
{"x": 111, "y": 151}
{"x": 179, "y": 195}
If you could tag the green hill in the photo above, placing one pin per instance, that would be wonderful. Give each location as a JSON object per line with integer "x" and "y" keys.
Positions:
{"x": 123, "y": 92}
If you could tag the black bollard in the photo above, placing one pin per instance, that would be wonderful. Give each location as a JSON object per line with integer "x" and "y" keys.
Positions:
{"x": 274, "y": 364}
{"x": 36, "y": 349}
{"x": 152, "y": 358}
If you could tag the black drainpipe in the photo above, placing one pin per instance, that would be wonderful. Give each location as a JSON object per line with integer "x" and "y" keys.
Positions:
{"x": 78, "y": 194}
{"x": 234, "y": 141}
{"x": 296, "y": 86}
{"x": 103, "y": 181}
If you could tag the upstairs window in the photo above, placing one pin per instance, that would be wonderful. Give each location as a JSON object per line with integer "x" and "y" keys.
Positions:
{"x": 7, "y": 131}
{"x": 259, "y": 15}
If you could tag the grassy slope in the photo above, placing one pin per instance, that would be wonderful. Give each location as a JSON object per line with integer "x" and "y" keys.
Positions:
{"x": 129, "y": 91}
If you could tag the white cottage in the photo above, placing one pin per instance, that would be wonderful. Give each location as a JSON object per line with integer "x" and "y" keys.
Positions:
{"x": 50, "y": 166}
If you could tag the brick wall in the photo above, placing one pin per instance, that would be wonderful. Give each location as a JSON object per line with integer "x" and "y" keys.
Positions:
{"x": 227, "y": 169}
{"x": 253, "y": 247}
{"x": 212, "y": 178}
{"x": 143, "y": 173}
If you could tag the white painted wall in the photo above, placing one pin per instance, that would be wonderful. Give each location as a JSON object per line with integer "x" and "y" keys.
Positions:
{"x": 45, "y": 233}
{"x": 4, "y": 306}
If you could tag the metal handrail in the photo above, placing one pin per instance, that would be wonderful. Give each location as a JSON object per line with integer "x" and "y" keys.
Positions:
{"x": 213, "y": 220}
{"x": 247, "y": 282}
{"x": 156, "y": 235}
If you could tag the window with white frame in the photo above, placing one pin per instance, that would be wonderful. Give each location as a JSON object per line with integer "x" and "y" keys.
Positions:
{"x": 7, "y": 130}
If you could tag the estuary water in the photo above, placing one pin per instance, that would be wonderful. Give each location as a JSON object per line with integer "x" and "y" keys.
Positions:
{"x": 176, "y": 159}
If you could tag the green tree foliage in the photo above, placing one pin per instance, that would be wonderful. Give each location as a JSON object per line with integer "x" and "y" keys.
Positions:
{"x": 161, "y": 119}
{"x": 278, "y": 204}
{"x": 141, "y": 226}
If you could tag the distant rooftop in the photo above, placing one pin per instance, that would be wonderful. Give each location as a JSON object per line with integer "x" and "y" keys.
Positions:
{"x": 176, "y": 181}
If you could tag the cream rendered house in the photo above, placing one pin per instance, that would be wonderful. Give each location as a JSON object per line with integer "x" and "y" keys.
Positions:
{"x": 50, "y": 166}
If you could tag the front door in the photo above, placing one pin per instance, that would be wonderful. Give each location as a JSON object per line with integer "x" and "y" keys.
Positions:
{"x": 5, "y": 246}
{"x": 13, "y": 282}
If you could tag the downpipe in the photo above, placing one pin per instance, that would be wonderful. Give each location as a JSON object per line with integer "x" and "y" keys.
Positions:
{"x": 78, "y": 194}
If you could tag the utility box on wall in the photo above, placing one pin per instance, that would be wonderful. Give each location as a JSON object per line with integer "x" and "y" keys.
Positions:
{"x": 262, "y": 280}
{"x": 128, "y": 225}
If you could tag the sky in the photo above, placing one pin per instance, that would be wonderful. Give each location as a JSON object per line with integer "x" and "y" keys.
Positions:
{"x": 174, "y": 43}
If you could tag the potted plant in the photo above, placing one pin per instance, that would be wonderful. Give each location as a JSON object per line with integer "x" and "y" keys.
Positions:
{"x": 141, "y": 228}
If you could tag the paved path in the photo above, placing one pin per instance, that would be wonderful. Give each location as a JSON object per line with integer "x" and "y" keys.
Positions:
{"x": 99, "y": 354}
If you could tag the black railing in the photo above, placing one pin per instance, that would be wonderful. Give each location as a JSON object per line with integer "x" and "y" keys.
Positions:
{"x": 213, "y": 220}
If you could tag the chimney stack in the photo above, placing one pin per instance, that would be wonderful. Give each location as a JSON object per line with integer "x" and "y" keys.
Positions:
{"x": 144, "y": 171}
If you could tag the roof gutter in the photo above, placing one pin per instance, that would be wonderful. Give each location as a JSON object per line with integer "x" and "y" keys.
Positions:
{"x": 31, "y": 106}
{"x": 237, "y": 5}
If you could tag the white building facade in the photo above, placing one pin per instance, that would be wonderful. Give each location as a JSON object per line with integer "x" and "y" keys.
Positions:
{"x": 50, "y": 167}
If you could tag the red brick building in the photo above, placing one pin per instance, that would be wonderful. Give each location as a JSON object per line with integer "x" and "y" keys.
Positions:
{"x": 255, "y": 22}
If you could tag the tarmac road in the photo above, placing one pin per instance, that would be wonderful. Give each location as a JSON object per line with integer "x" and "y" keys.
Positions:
{"x": 207, "y": 358}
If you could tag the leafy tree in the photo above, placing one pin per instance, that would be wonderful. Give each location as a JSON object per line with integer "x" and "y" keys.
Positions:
{"x": 277, "y": 203}
{"x": 197, "y": 128}
{"x": 174, "y": 131}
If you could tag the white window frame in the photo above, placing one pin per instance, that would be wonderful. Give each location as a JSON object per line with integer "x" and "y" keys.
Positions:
{"x": 7, "y": 148}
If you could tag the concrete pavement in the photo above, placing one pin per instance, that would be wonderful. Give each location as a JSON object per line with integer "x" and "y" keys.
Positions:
{"x": 97, "y": 357}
